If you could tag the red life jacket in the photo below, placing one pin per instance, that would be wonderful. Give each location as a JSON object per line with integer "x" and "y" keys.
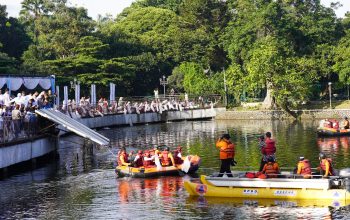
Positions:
{"x": 165, "y": 158}
{"x": 178, "y": 160}
{"x": 306, "y": 170}
{"x": 323, "y": 165}
{"x": 139, "y": 161}
{"x": 270, "y": 170}
{"x": 125, "y": 157}
{"x": 270, "y": 147}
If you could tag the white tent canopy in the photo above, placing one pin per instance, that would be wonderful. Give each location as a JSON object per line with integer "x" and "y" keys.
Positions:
{"x": 15, "y": 82}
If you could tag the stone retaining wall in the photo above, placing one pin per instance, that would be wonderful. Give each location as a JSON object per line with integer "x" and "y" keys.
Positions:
{"x": 304, "y": 114}
{"x": 17, "y": 153}
{"x": 131, "y": 119}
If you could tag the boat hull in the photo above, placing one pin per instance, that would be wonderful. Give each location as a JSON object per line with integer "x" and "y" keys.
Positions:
{"x": 332, "y": 132}
{"x": 206, "y": 189}
{"x": 190, "y": 167}
{"x": 147, "y": 172}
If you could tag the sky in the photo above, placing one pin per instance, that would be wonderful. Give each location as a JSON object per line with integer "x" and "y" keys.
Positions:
{"x": 114, "y": 7}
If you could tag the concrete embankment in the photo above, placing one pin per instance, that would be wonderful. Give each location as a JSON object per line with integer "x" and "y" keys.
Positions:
{"x": 26, "y": 150}
{"x": 131, "y": 119}
{"x": 280, "y": 115}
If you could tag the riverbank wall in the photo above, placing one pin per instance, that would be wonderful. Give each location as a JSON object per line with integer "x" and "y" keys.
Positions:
{"x": 26, "y": 150}
{"x": 151, "y": 117}
{"x": 316, "y": 114}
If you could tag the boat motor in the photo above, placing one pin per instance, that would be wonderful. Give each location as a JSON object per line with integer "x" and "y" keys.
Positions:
{"x": 345, "y": 175}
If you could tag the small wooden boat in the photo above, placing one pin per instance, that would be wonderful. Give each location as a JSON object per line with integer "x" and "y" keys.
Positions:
{"x": 189, "y": 166}
{"x": 323, "y": 131}
{"x": 335, "y": 189}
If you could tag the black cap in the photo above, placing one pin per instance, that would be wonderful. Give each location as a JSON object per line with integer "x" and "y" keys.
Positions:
{"x": 226, "y": 136}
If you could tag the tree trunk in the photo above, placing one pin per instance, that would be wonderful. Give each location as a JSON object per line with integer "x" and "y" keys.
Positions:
{"x": 269, "y": 101}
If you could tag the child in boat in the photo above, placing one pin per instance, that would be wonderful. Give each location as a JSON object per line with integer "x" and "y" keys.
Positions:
{"x": 123, "y": 157}
{"x": 325, "y": 168}
{"x": 304, "y": 168}
{"x": 166, "y": 157}
{"x": 262, "y": 144}
{"x": 138, "y": 161}
{"x": 271, "y": 168}
{"x": 178, "y": 155}
{"x": 148, "y": 160}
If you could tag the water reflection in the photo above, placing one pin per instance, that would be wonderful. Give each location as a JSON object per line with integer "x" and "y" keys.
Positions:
{"x": 83, "y": 185}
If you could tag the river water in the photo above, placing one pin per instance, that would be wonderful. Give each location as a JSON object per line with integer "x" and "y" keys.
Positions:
{"x": 82, "y": 183}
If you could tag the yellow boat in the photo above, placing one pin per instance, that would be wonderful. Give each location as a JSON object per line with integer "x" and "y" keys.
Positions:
{"x": 190, "y": 165}
{"x": 264, "y": 202}
{"x": 323, "y": 131}
{"x": 333, "y": 190}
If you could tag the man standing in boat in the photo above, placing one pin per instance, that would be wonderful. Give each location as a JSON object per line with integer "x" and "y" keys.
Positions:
{"x": 227, "y": 154}
{"x": 268, "y": 150}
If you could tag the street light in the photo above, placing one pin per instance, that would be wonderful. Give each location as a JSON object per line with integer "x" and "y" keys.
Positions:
{"x": 74, "y": 83}
{"x": 163, "y": 81}
{"x": 225, "y": 87}
{"x": 330, "y": 94}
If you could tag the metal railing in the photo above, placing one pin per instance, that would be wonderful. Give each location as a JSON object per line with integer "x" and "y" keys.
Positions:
{"x": 20, "y": 129}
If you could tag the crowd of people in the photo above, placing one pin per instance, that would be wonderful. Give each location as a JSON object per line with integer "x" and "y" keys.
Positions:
{"x": 158, "y": 156}
{"x": 103, "y": 107}
{"x": 269, "y": 167}
{"x": 18, "y": 118}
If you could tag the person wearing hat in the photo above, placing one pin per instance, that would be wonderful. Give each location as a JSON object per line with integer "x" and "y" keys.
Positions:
{"x": 304, "y": 168}
{"x": 345, "y": 123}
{"x": 227, "y": 154}
{"x": 325, "y": 168}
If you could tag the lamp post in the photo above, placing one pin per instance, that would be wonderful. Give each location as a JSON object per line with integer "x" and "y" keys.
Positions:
{"x": 74, "y": 83}
{"x": 330, "y": 94}
{"x": 225, "y": 87}
{"x": 163, "y": 81}
{"x": 76, "y": 86}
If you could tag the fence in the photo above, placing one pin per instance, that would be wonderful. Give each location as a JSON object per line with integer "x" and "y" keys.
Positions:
{"x": 16, "y": 130}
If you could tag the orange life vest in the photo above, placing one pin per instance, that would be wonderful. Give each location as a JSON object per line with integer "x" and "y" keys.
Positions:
{"x": 227, "y": 149}
{"x": 165, "y": 158}
{"x": 125, "y": 157}
{"x": 270, "y": 170}
{"x": 139, "y": 161}
{"x": 270, "y": 147}
{"x": 323, "y": 165}
{"x": 178, "y": 160}
{"x": 306, "y": 170}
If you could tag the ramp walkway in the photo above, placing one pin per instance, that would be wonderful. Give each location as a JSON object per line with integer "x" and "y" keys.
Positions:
{"x": 72, "y": 125}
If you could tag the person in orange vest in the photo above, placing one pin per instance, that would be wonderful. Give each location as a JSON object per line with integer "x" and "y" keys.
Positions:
{"x": 123, "y": 157}
{"x": 148, "y": 160}
{"x": 271, "y": 168}
{"x": 268, "y": 150}
{"x": 178, "y": 155}
{"x": 325, "y": 167}
{"x": 304, "y": 168}
{"x": 166, "y": 157}
{"x": 138, "y": 161}
{"x": 345, "y": 123}
{"x": 227, "y": 155}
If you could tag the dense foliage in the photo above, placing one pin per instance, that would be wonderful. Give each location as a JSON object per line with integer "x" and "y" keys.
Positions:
{"x": 284, "y": 50}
